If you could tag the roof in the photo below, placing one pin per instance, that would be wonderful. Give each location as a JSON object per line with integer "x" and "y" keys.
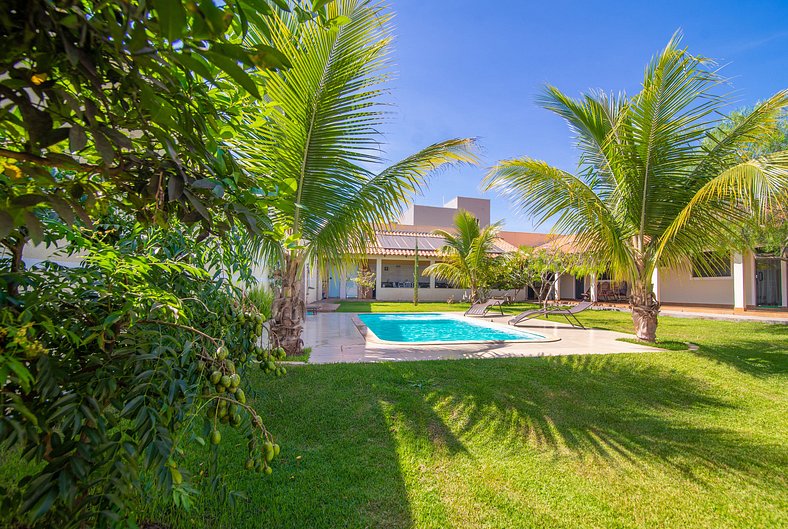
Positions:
{"x": 565, "y": 243}
{"x": 521, "y": 238}
{"x": 403, "y": 243}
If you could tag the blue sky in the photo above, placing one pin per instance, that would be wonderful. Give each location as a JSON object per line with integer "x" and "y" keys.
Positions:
{"x": 474, "y": 69}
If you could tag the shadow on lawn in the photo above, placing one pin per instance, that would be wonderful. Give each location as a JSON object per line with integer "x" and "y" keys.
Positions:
{"x": 593, "y": 406}
{"x": 755, "y": 348}
{"x": 376, "y": 445}
{"x": 762, "y": 352}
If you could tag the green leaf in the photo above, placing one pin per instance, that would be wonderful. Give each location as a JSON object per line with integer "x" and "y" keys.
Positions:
{"x": 174, "y": 187}
{"x": 28, "y": 200}
{"x": 172, "y": 19}
{"x": 270, "y": 58}
{"x": 283, "y": 5}
{"x": 104, "y": 147}
{"x": 236, "y": 73}
{"x": 6, "y": 224}
{"x": 132, "y": 405}
{"x": 340, "y": 20}
{"x": 77, "y": 139}
{"x": 34, "y": 227}
{"x": 195, "y": 65}
{"x": 317, "y": 5}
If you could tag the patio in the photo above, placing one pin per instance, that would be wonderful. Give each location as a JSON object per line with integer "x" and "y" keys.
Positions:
{"x": 334, "y": 338}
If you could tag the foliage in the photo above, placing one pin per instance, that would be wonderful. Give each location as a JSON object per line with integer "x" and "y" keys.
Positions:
{"x": 766, "y": 233}
{"x": 116, "y": 112}
{"x": 665, "y": 439}
{"x": 648, "y": 191}
{"x": 121, "y": 96}
{"x": 365, "y": 279}
{"x": 509, "y": 271}
{"x": 262, "y": 298}
{"x": 107, "y": 367}
{"x": 323, "y": 143}
{"x": 466, "y": 254}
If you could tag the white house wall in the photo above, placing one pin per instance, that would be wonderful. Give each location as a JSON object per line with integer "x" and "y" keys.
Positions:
{"x": 678, "y": 286}
{"x": 566, "y": 287}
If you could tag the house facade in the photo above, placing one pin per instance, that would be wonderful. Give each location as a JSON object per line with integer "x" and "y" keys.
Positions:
{"x": 751, "y": 281}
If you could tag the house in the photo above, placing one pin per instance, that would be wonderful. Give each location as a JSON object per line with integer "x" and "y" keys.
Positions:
{"x": 391, "y": 257}
{"x": 751, "y": 280}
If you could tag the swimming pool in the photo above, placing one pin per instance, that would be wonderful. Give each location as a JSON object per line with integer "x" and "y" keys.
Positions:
{"x": 436, "y": 328}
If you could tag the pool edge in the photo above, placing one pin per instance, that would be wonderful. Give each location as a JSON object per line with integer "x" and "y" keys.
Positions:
{"x": 370, "y": 336}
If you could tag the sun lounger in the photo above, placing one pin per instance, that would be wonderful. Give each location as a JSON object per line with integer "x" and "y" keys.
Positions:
{"x": 480, "y": 309}
{"x": 569, "y": 314}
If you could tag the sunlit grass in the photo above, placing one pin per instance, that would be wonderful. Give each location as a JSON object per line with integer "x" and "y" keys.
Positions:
{"x": 670, "y": 439}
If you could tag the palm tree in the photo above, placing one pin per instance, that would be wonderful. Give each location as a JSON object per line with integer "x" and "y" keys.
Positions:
{"x": 466, "y": 253}
{"x": 649, "y": 192}
{"x": 320, "y": 142}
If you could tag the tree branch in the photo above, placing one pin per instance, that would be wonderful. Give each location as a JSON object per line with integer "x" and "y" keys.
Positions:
{"x": 59, "y": 164}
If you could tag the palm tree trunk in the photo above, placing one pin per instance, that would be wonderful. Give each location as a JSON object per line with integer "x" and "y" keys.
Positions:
{"x": 645, "y": 309}
{"x": 289, "y": 309}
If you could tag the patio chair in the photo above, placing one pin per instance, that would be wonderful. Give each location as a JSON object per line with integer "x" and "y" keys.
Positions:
{"x": 480, "y": 309}
{"x": 569, "y": 314}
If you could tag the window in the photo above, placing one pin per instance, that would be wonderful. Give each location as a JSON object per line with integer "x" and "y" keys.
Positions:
{"x": 712, "y": 264}
{"x": 399, "y": 274}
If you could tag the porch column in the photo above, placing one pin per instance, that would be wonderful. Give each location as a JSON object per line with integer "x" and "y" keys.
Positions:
{"x": 557, "y": 288}
{"x": 432, "y": 276}
{"x": 592, "y": 288}
{"x": 784, "y": 281}
{"x": 739, "y": 301}
{"x": 378, "y": 276}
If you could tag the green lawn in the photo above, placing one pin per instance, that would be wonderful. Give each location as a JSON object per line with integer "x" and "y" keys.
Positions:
{"x": 427, "y": 306}
{"x": 670, "y": 439}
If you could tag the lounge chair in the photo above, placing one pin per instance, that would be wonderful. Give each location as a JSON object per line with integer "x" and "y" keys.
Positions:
{"x": 480, "y": 309}
{"x": 569, "y": 314}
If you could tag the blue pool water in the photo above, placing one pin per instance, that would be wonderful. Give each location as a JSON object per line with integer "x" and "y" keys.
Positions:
{"x": 427, "y": 327}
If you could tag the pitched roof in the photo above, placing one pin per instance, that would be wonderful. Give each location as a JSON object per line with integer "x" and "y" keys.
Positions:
{"x": 403, "y": 243}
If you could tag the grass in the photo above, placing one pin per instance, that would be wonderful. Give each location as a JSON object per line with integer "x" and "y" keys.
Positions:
{"x": 303, "y": 358}
{"x": 670, "y": 345}
{"x": 670, "y": 439}
{"x": 428, "y": 306}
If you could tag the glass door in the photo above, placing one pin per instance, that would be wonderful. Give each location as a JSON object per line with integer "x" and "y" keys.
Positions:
{"x": 768, "y": 283}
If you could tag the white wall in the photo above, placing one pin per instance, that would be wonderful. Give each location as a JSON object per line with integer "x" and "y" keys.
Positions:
{"x": 678, "y": 286}
{"x": 566, "y": 287}
{"x": 35, "y": 253}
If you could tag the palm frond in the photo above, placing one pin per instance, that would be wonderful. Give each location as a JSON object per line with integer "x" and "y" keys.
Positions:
{"x": 547, "y": 192}
{"x": 379, "y": 200}
{"x": 319, "y": 134}
{"x": 750, "y": 187}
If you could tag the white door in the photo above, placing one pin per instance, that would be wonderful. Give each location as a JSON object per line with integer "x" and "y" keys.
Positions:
{"x": 351, "y": 287}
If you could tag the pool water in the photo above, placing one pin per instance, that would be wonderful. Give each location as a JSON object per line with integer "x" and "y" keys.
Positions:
{"x": 427, "y": 327}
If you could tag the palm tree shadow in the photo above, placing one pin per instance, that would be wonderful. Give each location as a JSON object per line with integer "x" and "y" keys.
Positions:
{"x": 760, "y": 349}
{"x": 591, "y": 406}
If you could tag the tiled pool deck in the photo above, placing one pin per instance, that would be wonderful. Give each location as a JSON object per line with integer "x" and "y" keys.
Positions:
{"x": 334, "y": 337}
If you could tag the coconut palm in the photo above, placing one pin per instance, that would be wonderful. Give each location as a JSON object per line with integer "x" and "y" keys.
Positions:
{"x": 320, "y": 143}
{"x": 466, "y": 253}
{"x": 649, "y": 192}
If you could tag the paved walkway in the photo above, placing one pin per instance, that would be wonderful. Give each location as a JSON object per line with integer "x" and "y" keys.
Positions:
{"x": 778, "y": 316}
{"x": 334, "y": 338}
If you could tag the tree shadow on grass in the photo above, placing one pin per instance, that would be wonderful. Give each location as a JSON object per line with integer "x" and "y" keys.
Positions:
{"x": 755, "y": 348}
{"x": 600, "y": 407}
{"x": 381, "y": 445}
